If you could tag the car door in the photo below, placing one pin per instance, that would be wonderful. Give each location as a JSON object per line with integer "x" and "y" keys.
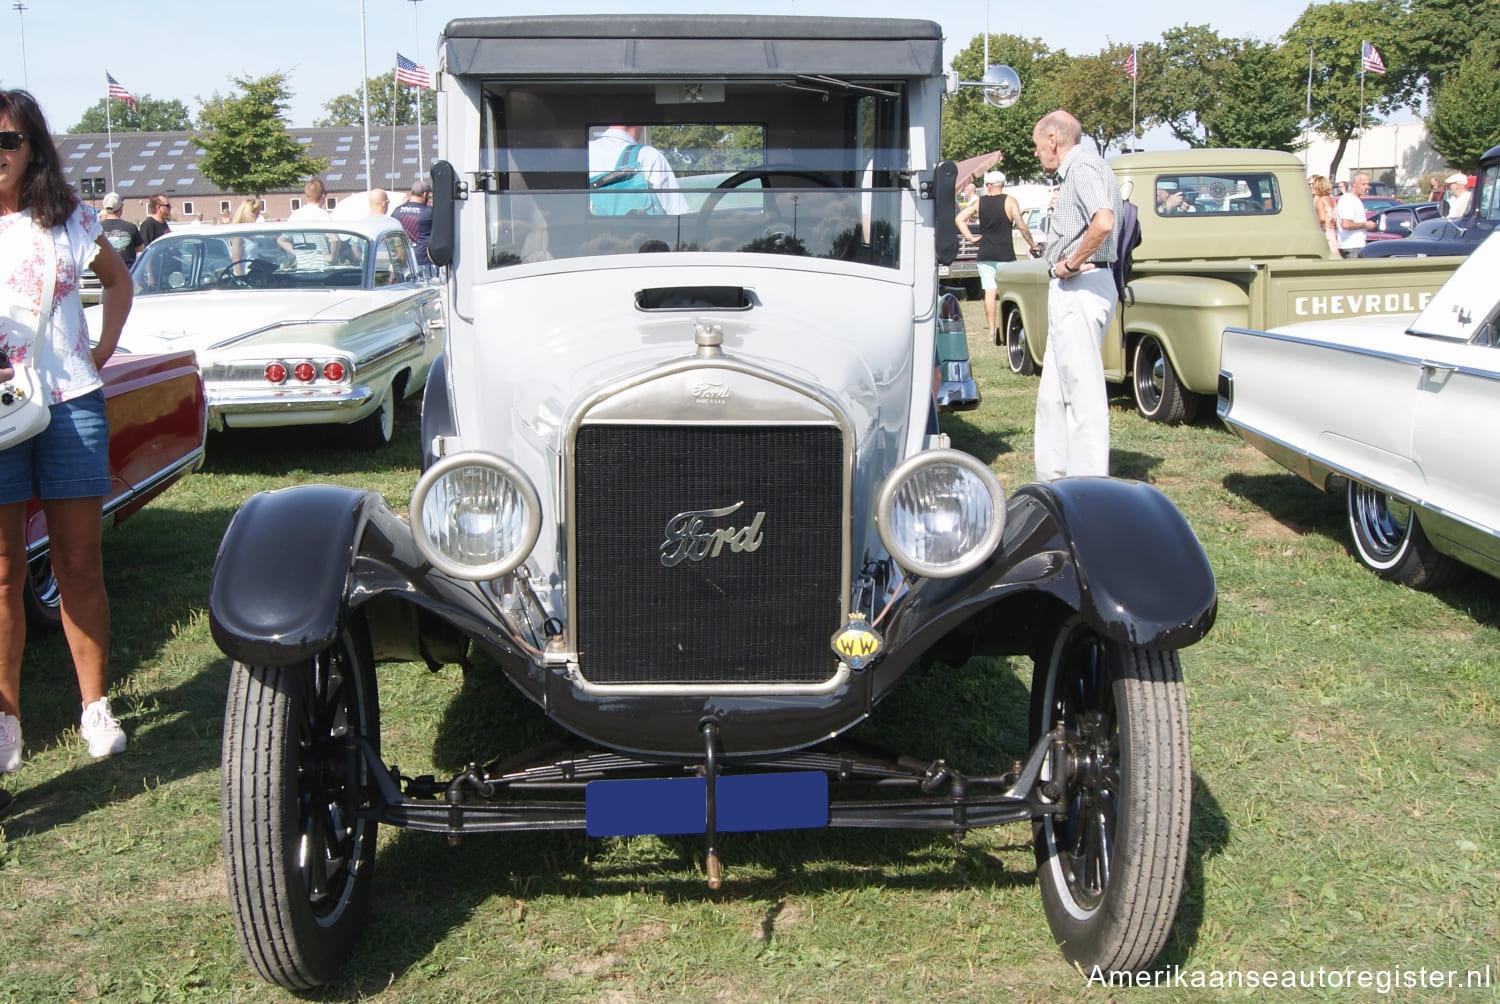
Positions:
{"x": 1457, "y": 413}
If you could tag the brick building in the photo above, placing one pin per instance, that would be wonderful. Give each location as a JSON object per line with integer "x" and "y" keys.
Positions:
{"x": 148, "y": 163}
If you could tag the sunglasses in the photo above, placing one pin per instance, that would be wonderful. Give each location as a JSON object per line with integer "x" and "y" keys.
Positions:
{"x": 11, "y": 141}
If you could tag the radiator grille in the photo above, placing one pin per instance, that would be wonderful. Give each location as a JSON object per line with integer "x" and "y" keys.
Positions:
{"x": 763, "y": 616}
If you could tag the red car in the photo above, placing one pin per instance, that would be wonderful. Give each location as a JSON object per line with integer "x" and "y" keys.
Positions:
{"x": 157, "y": 418}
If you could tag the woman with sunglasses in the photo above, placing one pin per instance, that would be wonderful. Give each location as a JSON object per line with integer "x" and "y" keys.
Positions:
{"x": 66, "y": 466}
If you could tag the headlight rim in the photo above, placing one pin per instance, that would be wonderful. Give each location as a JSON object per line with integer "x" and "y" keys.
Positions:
{"x": 899, "y": 475}
{"x": 508, "y": 470}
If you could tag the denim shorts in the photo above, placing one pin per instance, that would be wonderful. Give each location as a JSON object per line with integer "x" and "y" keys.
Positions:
{"x": 68, "y": 460}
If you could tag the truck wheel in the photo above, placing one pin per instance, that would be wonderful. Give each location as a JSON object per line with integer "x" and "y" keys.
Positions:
{"x": 1111, "y": 862}
{"x": 1017, "y": 352}
{"x": 375, "y": 429}
{"x": 42, "y": 600}
{"x": 1158, "y": 393}
{"x": 297, "y": 856}
{"x": 1391, "y": 543}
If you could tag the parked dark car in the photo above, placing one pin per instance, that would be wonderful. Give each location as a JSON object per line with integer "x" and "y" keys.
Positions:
{"x": 1375, "y": 203}
{"x": 1440, "y": 236}
{"x": 1397, "y": 222}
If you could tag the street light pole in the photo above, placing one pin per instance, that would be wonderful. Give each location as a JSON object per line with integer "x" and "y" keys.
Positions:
{"x": 19, "y": 8}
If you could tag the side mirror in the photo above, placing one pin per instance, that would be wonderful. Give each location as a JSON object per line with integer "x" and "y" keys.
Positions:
{"x": 945, "y": 205}
{"x": 444, "y": 194}
{"x": 1002, "y": 85}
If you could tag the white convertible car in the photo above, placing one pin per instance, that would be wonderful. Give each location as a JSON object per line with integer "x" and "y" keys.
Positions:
{"x": 1398, "y": 412}
{"x": 295, "y": 323}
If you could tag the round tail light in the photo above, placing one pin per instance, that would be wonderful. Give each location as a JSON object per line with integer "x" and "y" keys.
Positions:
{"x": 276, "y": 372}
{"x": 333, "y": 371}
{"x": 306, "y": 372}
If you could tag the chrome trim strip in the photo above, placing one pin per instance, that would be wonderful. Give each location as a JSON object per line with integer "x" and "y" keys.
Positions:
{"x": 225, "y": 402}
{"x": 1359, "y": 350}
{"x": 1325, "y": 464}
{"x": 833, "y": 415}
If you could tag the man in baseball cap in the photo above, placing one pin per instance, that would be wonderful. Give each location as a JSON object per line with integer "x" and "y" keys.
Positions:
{"x": 1456, "y": 198}
{"x": 124, "y": 236}
{"x": 415, "y": 216}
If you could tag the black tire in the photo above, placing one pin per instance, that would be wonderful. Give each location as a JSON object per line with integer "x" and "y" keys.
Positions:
{"x": 1389, "y": 541}
{"x": 1112, "y": 867}
{"x": 42, "y": 599}
{"x": 1017, "y": 351}
{"x": 291, "y": 784}
{"x": 1159, "y": 395}
{"x": 376, "y": 429}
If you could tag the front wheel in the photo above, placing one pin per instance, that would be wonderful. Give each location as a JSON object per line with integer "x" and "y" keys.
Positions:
{"x": 297, "y": 855}
{"x": 1391, "y": 543}
{"x": 1017, "y": 352}
{"x": 1159, "y": 394}
{"x": 1111, "y": 861}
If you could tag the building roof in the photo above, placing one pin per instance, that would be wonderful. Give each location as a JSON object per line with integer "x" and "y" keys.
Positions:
{"x": 146, "y": 163}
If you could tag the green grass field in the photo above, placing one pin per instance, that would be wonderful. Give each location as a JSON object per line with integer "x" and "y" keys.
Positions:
{"x": 1346, "y": 814}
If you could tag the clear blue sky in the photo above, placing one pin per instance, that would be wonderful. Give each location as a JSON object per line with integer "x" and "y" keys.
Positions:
{"x": 161, "y": 49}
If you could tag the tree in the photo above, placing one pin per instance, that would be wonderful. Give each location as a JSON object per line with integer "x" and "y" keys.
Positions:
{"x": 1438, "y": 35}
{"x": 1334, "y": 31}
{"x": 247, "y": 148}
{"x": 972, "y": 127}
{"x": 1192, "y": 63}
{"x": 1263, "y": 99}
{"x": 1464, "y": 120}
{"x": 150, "y": 115}
{"x": 1097, "y": 91}
{"x": 390, "y": 104}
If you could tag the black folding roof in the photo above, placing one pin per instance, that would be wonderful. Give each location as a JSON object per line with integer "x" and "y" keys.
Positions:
{"x": 663, "y": 46}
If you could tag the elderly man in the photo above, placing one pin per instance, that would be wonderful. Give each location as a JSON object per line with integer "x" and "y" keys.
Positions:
{"x": 1456, "y": 196}
{"x": 380, "y": 203}
{"x": 1072, "y": 405}
{"x": 1353, "y": 220}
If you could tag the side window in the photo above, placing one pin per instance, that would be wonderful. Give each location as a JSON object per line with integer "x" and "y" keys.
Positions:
{"x": 395, "y": 250}
{"x": 385, "y": 274}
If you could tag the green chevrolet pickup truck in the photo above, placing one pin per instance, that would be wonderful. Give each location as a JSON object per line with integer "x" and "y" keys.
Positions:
{"x": 1229, "y": 238}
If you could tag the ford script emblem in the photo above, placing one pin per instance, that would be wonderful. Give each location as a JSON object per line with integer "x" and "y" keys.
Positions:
{"x": 690, "y": 536}
{"x": 710, "y": 393}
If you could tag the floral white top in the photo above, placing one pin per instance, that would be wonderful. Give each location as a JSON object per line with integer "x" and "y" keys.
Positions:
{"x": 67, "y": 367}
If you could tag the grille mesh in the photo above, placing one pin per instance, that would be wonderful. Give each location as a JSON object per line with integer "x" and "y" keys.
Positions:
{"x": 762, "y": 616}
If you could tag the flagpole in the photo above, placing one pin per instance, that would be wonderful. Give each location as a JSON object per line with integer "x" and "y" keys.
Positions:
{"x": 1134, "y": 122}
{"x": 364, "y": 93}
{"x": 395, "y": 114}
{"x": 416, "y": 30}
{"x": 1359, "y": 149}
{"x": 109, "y": 133}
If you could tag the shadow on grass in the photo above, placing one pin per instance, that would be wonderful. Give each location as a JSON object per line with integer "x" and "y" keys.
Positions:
{"x": 322, "y": 448}
{"x": 984, "y": 443}
{"x": 1293, "y": 503}
{"x": 1208, "y": 835}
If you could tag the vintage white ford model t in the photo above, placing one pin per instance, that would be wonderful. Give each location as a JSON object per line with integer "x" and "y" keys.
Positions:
{"x": 684, "y": 486}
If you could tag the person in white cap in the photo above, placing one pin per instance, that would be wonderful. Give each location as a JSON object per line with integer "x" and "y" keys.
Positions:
{"x": 997, "y": 213}
{"x": 123, "y": 236}
{"x": 1456, "y": 198}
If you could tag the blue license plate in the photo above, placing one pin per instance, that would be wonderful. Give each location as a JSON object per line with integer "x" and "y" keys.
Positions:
{"x": 746, "y": 802}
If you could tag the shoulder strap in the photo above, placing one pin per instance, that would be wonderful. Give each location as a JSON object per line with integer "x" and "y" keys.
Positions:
{"x": 629, "y": 157}
{"x": 49, "y": 290}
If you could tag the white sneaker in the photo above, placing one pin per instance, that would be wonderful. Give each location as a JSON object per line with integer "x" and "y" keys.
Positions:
{"x": 10, "y": 743}
{"x": 101, "y": 730}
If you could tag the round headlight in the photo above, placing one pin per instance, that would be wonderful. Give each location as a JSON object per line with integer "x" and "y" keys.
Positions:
{"x": 941, "y": 513}
{"x": 475, "y": 516}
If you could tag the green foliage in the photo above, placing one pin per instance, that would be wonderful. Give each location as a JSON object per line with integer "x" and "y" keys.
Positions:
{"x": 1334, "y": 32}
{"x": 1097, "y": 91}
{"x": 1191, "y": 65}
{"x": 1224, "y": 92}
{"x": 1464, "y": 120}
{"x": 390, "y": 104}
{"x": 1438, "y": 34}
{"x": 150, "y": 115}
{"x": 247, "y": 148}
{"x": 1263, "y": 99}
{"x": 709, "y": 149}
{"x": 971, "y": 127}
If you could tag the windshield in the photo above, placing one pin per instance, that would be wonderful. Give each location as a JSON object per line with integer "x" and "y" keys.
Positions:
{"x": 289, "y": 258}
{"x": 796, "y": 168}
{"x": 1188, "y": 194}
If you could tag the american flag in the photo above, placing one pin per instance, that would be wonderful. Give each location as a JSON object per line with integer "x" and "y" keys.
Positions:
{"x": 116, "y": 91}
{"x": 408, "y": 72}
{"x": 1130, "y": 65}
{"x": 1370, "y": 59}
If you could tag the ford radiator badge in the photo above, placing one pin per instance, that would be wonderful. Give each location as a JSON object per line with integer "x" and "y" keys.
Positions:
{"x": 857, "y": 643}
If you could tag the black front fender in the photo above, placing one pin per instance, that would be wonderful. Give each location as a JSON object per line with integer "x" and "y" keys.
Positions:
{"x": 1118, "y": 552}
{"x": 280, "y": 576}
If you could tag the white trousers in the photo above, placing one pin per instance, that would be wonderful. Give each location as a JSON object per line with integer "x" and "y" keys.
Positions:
{"x": 1072, "y": 405}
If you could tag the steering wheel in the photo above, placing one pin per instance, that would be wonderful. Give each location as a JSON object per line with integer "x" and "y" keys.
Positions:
{"x": 778, "y": 231}
{"x": 253, "y": 276}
